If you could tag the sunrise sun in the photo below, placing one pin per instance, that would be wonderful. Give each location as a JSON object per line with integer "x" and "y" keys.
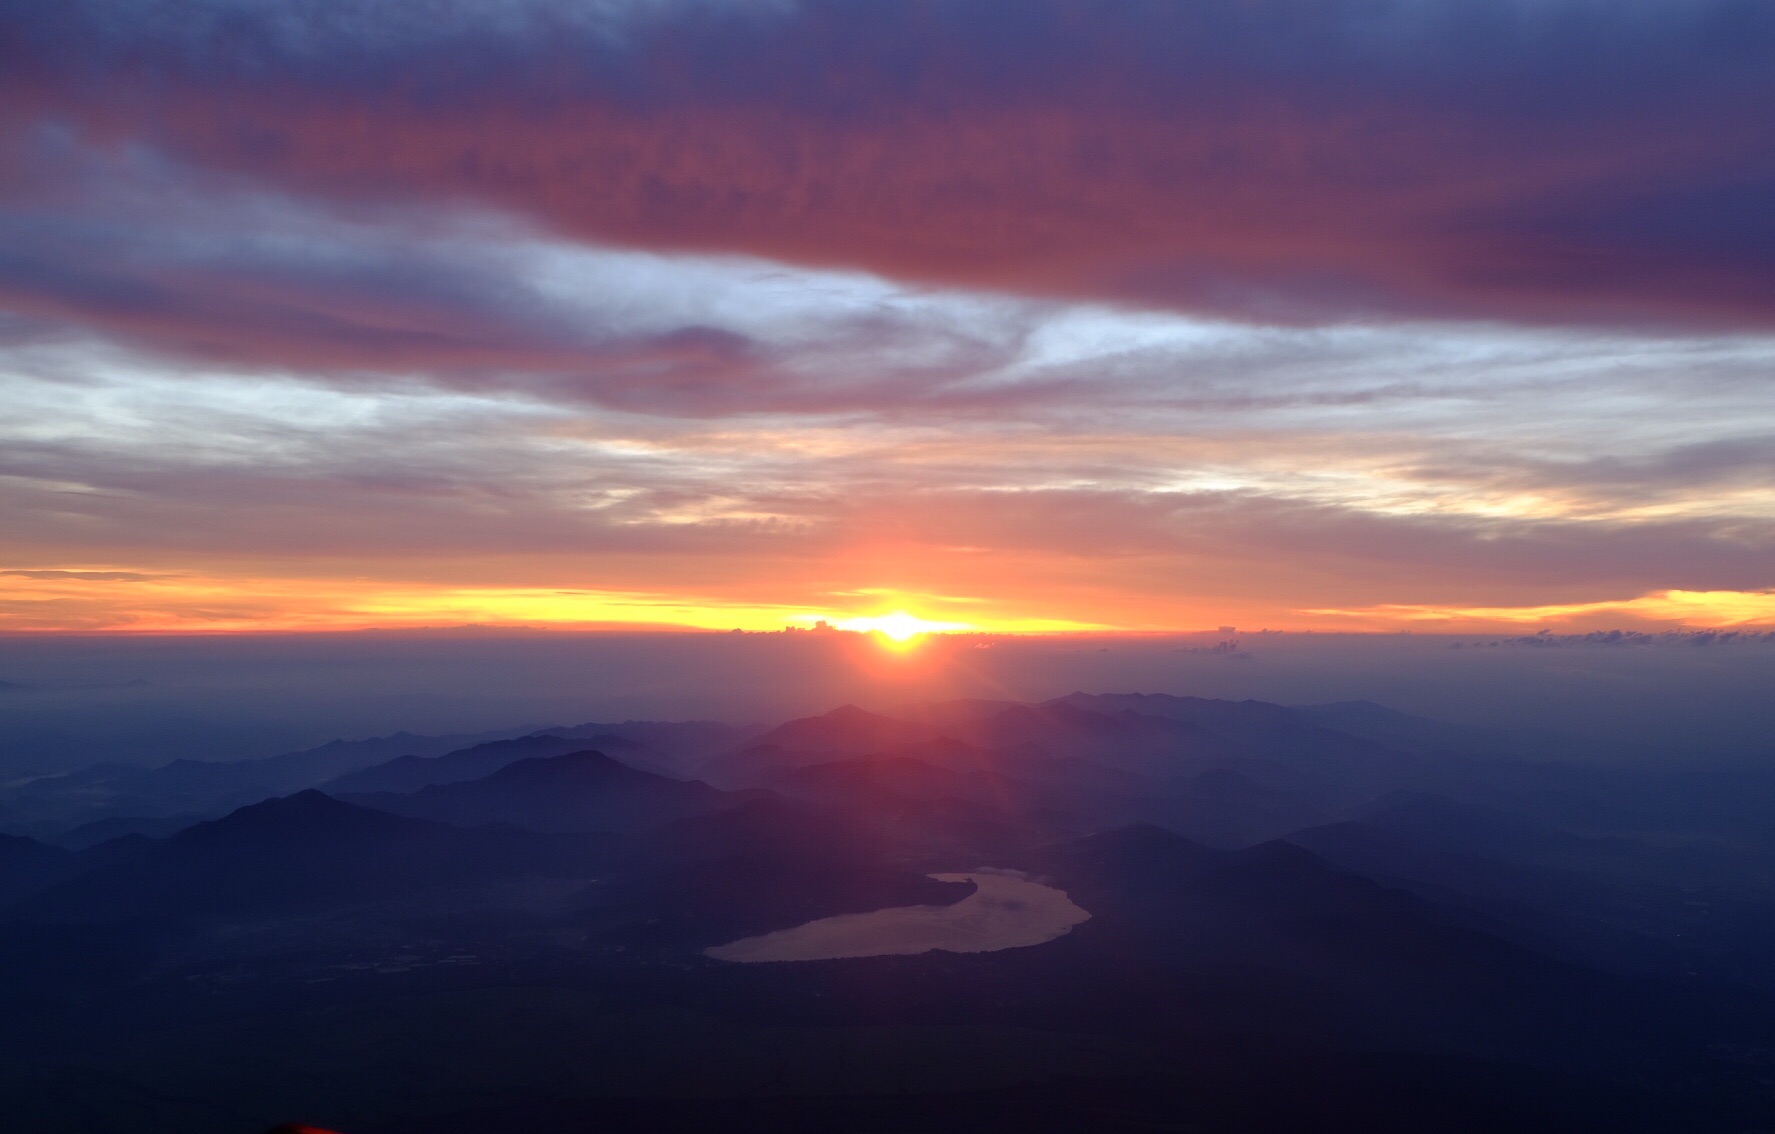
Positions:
{"x": 899, "y": 627}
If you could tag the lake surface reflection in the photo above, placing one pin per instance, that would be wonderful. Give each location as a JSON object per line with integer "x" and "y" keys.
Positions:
{"x": 1006, "y": 911}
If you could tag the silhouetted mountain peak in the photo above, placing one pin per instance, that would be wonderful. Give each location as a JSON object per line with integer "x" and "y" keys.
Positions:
{"x": 672, "y": 746}
{"x": 605, "y": 740}
{"x": 847, "y": 728}
{"x": 299, "y": 851}
{"x": 1474, "y": 827}
{"x": 581, "y": 791}
{"x": 888, "y": 764}
{"x": 1427, "y": 810}
{"x": 1138, "y": 844}
{"x": 1279, "y": 853}
{"x": 412, "y": 773}
{"x": 1360, "y": 704}
{"x": 895, "y": 775}
{"x": 942, "y": 749}
{"x": 760, "y": 810}
{"x": 538, "y": 744}
{"x": 764, "y": 820}
{"x": 584, "y": 766}
{"x": 299, "y": 806}
{"x": 311, "y": 799}
{"x": 849, "y": 716}
{"x": 310, "y": 812}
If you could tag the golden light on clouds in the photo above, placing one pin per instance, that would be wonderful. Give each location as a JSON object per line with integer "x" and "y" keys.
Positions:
{"x": 1701, "y": 609}
{"x": 108, "y": 598}
{"x": 133, "y": 599}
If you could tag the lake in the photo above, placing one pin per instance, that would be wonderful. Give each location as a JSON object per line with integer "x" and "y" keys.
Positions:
{"x": 1007, "y": 910}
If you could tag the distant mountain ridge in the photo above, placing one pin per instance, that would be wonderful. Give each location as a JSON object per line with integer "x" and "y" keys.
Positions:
{"x": 1226, "y": 772}
{"x": 412, "y": 773}
{"x": 286, "y": 854}
{"x": 580, "y": 791}
{"x": 671, "y": 748}
{"x": 52, "y": 806}
{"x": 205, "y": 788}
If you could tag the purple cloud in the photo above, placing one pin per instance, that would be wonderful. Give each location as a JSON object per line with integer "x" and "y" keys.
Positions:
{"x": 1282, "y": 160}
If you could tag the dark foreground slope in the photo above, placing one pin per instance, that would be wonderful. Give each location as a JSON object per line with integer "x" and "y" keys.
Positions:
{"x": 1210, "y": 990}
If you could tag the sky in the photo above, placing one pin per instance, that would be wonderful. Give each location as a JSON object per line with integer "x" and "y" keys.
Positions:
{"x": 1016, "y": 315}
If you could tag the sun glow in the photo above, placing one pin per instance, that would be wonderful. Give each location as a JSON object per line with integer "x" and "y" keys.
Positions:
{"x": 899, "y": 627}
{"x": 133, "y": 598}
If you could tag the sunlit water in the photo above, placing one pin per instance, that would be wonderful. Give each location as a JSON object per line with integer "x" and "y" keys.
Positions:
{"x": 1006, "y": 911}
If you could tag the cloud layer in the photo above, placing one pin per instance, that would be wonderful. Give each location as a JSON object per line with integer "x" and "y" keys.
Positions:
{"x": 1138, "y": 314}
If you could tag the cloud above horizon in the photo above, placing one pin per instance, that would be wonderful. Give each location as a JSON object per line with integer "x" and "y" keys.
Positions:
{"x": 1284, "y": 159}
{"x": 1037, "y": 314}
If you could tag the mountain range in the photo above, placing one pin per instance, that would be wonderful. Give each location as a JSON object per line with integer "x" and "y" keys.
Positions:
{"x": 1284, "y": 907}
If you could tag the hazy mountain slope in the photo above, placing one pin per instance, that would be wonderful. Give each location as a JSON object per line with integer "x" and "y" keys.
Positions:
{"x": 1668, "y": 908}
{"x": 574, "y": 792}
{"x": 1149, "y": 744}
{"x": 1412, "y": 733}
{"x": 59, "y": 803}
{"x": 1391, "y": 968}
{"x": 411, "y": 773}
{"x": 104, "y": 830}
{"x": 301, "y": 852}
{"x": 846, "y": 729}
{"x": 931, "y": 807}
{"x": 681, "y": 745}
{"x": 1339, "y": 767}
{"x": 1051, "y": 731}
